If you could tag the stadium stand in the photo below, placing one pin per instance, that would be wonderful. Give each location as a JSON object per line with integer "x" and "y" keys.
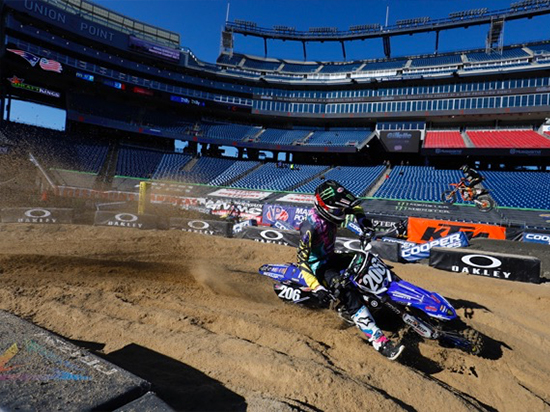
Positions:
{"x": 137, "y": 162}
{"x": 533, "y": 188}
{"x": 526, "y": 139}
{"x": 283, "y": 137}
{"x": 337, "y": 138}
{"x": 229, "y": 131}
{"x": 271, "y": 177}
{"x": 443, "y": 139}
{"x": 358, "y": 180}
{"x": 421, "y": 183}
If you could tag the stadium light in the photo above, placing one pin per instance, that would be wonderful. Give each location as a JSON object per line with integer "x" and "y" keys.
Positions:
{"x": 323, "y": 29}
{"x": 410, "y": 22}
{"x": 245, "y": 23}
{"x": 365, "y": 27}
{"x": 529, "y": 3}
{"x": 468, "y": 13}
{"x": 284, "y": 28}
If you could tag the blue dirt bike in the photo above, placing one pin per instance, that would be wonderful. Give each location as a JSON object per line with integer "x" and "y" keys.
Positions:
{"x": 427, "y": 313}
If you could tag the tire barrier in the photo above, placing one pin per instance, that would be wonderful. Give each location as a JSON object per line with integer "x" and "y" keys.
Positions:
{"x": 206, "y": 227}
{"x": 42, "y": 372}
{"x": 37, "y": 215}
{"x": 494, "y": 265}
{"x": 127, "y": 220}
{"x": 396, "y": 250}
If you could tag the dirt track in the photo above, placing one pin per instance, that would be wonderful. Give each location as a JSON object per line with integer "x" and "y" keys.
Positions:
{"x": 190, "y": 314}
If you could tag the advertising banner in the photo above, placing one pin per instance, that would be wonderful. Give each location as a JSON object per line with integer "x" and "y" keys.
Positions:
{"x": 240, "y": 194}
{"x": 422, "y": 250}
{"x": 271, "y": 235}
{"x": 206, "y": 227}
{"x": 297, "y": 198}
{"x": 283, "y": 213}
{"x": 123, "y": 219}
{"x": 37, "y": 215}
{"x": 543, "y": 238}
{"x": 400, "y": 141}
{"x": 70, "y": 22}
{"x": 239, "y": 227}
{"x": 153, "y": 49}
{"x": 424, "y": 230}
{"x": 494, "y": 265}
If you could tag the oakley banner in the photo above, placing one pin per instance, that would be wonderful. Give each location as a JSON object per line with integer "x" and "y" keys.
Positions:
{"x": 123, "y": 219}
{"x": 271, "y": 235}
{"x": 424, "y": 230}
{"x": 38, "y": 215}
{"x": 206, "y": 227}
{"x": 493, "y": 265}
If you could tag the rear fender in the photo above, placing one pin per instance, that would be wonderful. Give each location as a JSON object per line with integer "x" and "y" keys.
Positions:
{"x": 285, "y": 272}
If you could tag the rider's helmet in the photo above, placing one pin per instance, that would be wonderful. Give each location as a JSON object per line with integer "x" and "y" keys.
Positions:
{"x": 464, "y": 168}
{"x": 332, "y": 201}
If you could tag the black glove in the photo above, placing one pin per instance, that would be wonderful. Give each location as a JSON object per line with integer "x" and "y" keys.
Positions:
{"x": 322, "y": 295}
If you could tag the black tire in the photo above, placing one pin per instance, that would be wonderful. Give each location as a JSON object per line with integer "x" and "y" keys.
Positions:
{"x": 484, "y": 203}
{"x": 476, "y": 340}
{"x": 448, "y": 196}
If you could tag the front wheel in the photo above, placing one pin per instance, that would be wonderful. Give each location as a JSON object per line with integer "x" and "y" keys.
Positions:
{"x": 448, "y": 196}
{"x": 484, "y": 203}
{"x": 469, "y": 340}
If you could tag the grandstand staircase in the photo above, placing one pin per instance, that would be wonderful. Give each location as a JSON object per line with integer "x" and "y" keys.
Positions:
{"x": 378, "y": 183}
{"x": 106, "y": 174}
{"x": 189, "y": 165}
{"x": 303, "y": 182}
{"x": 236, "y": 178}
{"x": 467, "y": 140}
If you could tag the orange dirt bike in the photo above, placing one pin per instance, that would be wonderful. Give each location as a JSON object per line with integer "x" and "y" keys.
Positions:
{"x": 480, "y": 197}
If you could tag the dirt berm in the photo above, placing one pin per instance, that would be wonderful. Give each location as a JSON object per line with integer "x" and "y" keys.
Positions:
{"x": 190, "y": 314}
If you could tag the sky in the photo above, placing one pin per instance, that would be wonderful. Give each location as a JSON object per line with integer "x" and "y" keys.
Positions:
{"x": 200, "y": 23}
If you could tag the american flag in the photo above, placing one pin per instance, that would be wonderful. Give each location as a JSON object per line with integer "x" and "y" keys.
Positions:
{"x": 31, "y": 58}
{"x": 50, "y": 65}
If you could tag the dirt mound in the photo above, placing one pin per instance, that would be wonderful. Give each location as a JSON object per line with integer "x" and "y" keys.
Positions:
{"x": 190, "y": 314}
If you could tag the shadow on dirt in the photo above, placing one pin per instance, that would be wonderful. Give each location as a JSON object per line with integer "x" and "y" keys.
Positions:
{"x": 181, "y": 386}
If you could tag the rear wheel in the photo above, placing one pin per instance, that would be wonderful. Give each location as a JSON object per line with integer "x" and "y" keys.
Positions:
{"x": 484, "y": 203}
{"x": 448, "y": 196}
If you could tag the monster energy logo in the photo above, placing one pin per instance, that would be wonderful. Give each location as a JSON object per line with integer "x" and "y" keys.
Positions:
{"x": 402, "y": 206}
{"x": 327, "y": 193}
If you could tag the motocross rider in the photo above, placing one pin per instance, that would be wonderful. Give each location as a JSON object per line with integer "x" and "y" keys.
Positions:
{"x": 320, "y": 265}
{"x": 472, "y": 178}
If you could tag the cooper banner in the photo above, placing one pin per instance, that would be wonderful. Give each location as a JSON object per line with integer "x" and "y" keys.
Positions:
{"x": 206, "y": 227}
{"x": 493, "y": 265}
{"x": 543, "y": 238}
{"x": 124, "y": 219}
{"x": 37, "y": 215}
{"x": 422, "y": 250}
{"x": 424, "y": 230}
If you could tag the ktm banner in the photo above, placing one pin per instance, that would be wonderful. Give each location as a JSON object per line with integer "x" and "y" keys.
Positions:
{"x": 425, "y": 230}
